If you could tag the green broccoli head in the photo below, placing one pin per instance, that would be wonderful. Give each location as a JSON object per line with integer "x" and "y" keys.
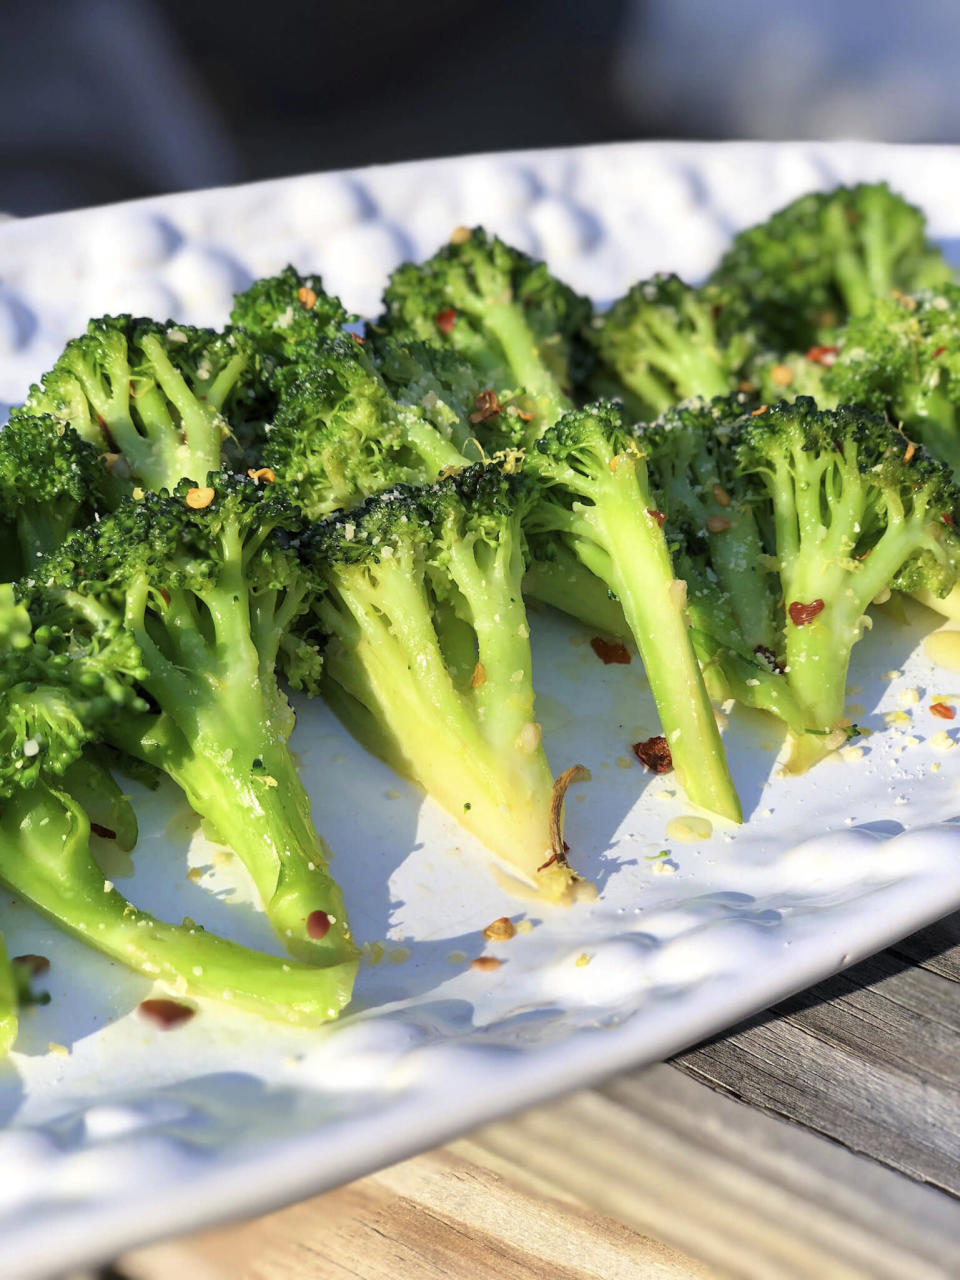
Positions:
{"x": 156, "y": 398}
{"x": 901, "y": 359}
{"x": 518, "y": 325}
{"x": 205, "y": 583}
{"x": 427, "y": 659}
{"x": 58, "y": 689}
{"x": 855, "y": 512}
{"x": 288, "y": 315}
{"x": 824, "y": 257}
{"x": 50, "y": 480}
{"x": 714, "y": 516}
{"x": 667, "y": 341}
{"x": 339, "y": 435}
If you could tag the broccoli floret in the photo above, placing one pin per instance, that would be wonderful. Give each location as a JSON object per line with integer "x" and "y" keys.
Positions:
{"x": 200, "y": 581}
{"x": 824, "y": 257}
{"x": 428, "y": 662}
{"x": 288, "y": 316}
{"x": 151, "y": 396}
{"x": 853, "y": 517}
{"x": 667, "y": 341}
{"x": 339, "y": 436}
{"x": 59, "y": 692}
{"x": 50, "y": 481}
{"x": 774, "y": 376}
{"x": 596, "y": 497}
{"x": 502, "y": 311}
{"x": 901, "y": 359}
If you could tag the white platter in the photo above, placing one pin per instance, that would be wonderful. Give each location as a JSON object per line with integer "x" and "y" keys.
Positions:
{"x": 127, "y": 1133}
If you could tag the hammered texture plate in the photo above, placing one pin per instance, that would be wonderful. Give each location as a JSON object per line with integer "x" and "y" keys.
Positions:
{"x": 119, "y": 1132}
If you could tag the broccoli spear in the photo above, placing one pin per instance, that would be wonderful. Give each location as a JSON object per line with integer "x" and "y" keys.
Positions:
{"x": 58, "y": 691}
{"x": 200, "y": 582}
{"x": 500, "y": 310}
{"x": 852, "y": 517}
{"x": 597, "y": 498}
{"x": 667, "y": 341}
{"x": 150, "y": 396}
{"x": 824, "y": 257}
{"x": 9, "y": 1003}
{"x": 428, "y": 663}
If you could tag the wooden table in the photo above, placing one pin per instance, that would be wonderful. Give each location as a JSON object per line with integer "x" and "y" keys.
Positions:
{"x": 821, "y": 1139}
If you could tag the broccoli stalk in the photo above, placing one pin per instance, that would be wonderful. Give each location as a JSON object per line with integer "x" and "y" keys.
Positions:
{"x": 556, "y": 577}
{"x": 208, "y": 595}
{"x": 9, "y": 1003}
{"x": 666, "y": 342}
{"x": 853, "y": 518}
{"x": 428, "y": 660}
{"x": 825, "y": 257}
{"x": 150, "y": 396}
{"x": 45, "y": 858}
{"x": 502, "y": 312}
{"x": 597, "y": 498}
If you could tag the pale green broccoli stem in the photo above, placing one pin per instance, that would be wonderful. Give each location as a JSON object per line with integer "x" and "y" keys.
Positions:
{"x": 111, "y": 397}
{"x": 690, "y": 361}
{"x": 564, "y": 582}
{"x": 45, "y": 857}
{"x": 527, "y": 364}
{"x": 738, "y": 557}
{"x": 41, "y": 530}
{"x": 624, "y": 545}
{"x": 9, "y": 1003}
{"x": 429, "y": 445}
{"x": 431, "y": 732}
{"x": 230, "y": 756}
{"x": 200, "y": 423}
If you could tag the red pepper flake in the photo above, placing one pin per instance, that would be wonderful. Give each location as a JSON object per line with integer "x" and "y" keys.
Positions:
{"x": 939, "y": 352}
{"x": 757, "y": 412}
{"x": 99, "y": 830}
{"x": 487, "y": 405}
{"x": 523, "y": 415}
{"x": 942, "y": 710}
{"x": 610, "y": 651}
{"x": 307, "y": 297}
{"x": 166, "y": 1013}
{"x": 357, "y": 339}
{"x": 445, "y": 320}
{"x": 947, "y": 519}
{"x": 800, "y": 614}
{"x": 164, "y": 595}
{"x": 654, "y": 754}
{"x": 318, "y": 925}
{"x": 485, "y": 963}
{"x": 823, "y": 355}
{"x": 659, "y": 516}
{"x": 35, "y": 965}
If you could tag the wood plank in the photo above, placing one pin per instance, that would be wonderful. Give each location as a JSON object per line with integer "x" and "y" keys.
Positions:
{"x": 869, "y": 1058}
{"x": 437, "y": 1216}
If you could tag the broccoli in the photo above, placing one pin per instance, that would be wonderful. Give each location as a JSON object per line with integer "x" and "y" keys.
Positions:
{"x": 773, "y": 376}
{"x": 288, "y": 316}
{"x": 200, "y": 581}
{"x": 556, "y": 577}
{"x": 58, "y": 692}
{"x": 339, "y": 436}
{"x": 596, "y": 497}
{"x": 50, "y": 480}
{"x": 500, "y": 310}
{"x": 150, "y": 396}
{"x": 853, "y": 517}
{"x": 824, "y": 257}
{"x": 667, "y": 341}
{"x": 901, "y": 359}
{"x": 427, "y": 657}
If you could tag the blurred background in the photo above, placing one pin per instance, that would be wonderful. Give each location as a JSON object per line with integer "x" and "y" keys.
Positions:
{"x": 105, "y": 100}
